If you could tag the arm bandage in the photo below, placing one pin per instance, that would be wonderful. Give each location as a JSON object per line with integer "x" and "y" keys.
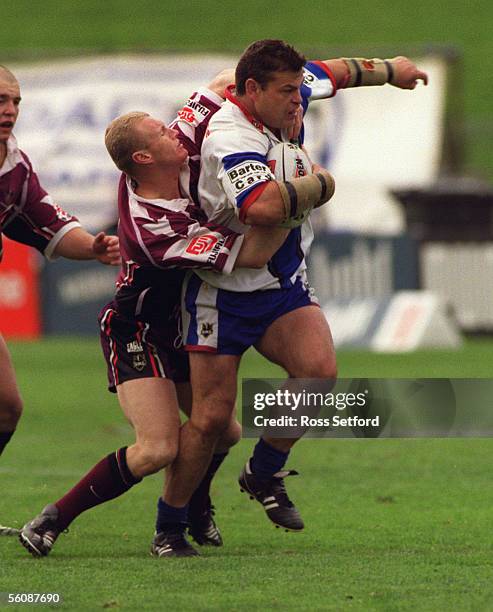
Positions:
{"x": 303, "y": 193}
{"x": 368, "y": 71}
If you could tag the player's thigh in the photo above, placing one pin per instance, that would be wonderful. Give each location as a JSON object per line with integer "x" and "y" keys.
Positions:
{"x": 151, "y": 407}
{"x": 301, "y": 342}
{"x": 10, "y": 399}
{"x": 214, "y": 385}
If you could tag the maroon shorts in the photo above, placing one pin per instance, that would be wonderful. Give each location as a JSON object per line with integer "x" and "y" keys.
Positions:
{"x": 136, "y": 349}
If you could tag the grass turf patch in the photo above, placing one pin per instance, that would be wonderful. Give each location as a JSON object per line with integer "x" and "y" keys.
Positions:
{"x": 391, "y": 524}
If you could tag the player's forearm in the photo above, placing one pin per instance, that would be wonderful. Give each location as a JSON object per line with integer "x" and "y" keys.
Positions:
{"x": 221, "y": 81}
{"x": 268, "y": 209}
{"x": 259, "y": 246}
{"x": 285, "y": 200}
{"x": 76, "y": 244}
{"x": 355, "y": 72}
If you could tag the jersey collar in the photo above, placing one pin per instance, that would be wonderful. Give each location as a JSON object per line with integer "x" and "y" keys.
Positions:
{"x": 232, "y": 98}
{"x": 13, "y": 157}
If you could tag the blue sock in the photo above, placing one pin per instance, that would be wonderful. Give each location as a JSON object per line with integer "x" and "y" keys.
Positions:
{"x": 169, "y": 514}
{"x": 267, "y": 460}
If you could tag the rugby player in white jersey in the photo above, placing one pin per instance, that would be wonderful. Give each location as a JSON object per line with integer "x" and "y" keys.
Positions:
{"x": 272, "y": 309}
{"x": 162, "y": 232}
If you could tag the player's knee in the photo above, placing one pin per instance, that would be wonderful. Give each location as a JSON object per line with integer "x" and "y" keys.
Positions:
{"x": 10, "y": 412}
{"x": 319, "y": 367}
{"x": 230, "y": 437}
{"x": 212, "y": 424}
{"x": 155, "y": 457}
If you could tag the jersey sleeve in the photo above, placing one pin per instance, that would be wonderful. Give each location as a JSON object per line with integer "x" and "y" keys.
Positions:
{"x": 171, "y": 238}
{"x": 243, "y": 172}
{"x": 318, "y": 82}
{"x": 41, "y": 223}
{"x": 193, "y": 118}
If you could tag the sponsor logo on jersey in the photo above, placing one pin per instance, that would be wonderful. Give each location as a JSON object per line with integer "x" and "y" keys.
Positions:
{"x": 216, "y": 249}
{"x": 186, "y": 114}
{"x": 300, "y": 167}
{"x": 246, "y": 174}
{"x": 193, "y": 112}
{"x": 206, "y": 330}
{"x": 60, "y": 213}
{"x": 200, "y": 108}
{"x": 134, "y": 347}
{"x": 201, "y": 244}
{"x": 139, "y": 362}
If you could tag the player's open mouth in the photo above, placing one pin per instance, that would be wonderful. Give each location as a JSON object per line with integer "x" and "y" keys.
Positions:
{"x": 7, "y": 124}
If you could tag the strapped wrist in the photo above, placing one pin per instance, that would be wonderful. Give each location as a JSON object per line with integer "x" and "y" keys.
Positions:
{"x": 368, "y": 71}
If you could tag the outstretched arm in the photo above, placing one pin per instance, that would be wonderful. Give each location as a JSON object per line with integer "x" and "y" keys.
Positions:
{"x": 354, "y": 72}
{"x": 79, "y": 244}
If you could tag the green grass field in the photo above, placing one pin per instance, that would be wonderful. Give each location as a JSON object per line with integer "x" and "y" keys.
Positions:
{"x": 391, "y": 524}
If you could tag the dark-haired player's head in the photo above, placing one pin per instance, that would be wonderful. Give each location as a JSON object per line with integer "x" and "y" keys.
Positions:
{"x": 10, "y": 98}
{"x": 268, "y": 78}
{"x": 263, "y": 59}
{"x": 137, "y": 141}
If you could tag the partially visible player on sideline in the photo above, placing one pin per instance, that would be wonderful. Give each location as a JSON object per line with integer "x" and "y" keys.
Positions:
{"x": 161, "y": 232}
{"x": 272, "y": 309}
{"x": 29, "y": 215}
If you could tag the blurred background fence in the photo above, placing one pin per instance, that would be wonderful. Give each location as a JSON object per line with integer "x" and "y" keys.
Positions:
{"x": 413, "y": 207}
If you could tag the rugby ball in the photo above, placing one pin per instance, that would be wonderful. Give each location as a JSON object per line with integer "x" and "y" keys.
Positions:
{"x": 287, "y": 161}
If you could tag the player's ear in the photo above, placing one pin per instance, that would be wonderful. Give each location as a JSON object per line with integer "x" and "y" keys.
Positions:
{"x": 141, "y": 157}
{"x": 252, "y": 88}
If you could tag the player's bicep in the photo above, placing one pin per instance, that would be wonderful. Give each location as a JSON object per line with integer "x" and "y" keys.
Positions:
{"x": 318, "y": 81}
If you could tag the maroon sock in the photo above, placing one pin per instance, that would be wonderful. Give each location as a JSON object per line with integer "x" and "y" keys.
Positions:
{"x": 108, "y": 479}
{"x": 4, "y": 439}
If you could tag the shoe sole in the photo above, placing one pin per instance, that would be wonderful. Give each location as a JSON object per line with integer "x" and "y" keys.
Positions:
{"x": 205, "y": 542}
{"x": 158, "y": 556}
{"x": 29, "y": 546}
{"x": 244, "y": 489}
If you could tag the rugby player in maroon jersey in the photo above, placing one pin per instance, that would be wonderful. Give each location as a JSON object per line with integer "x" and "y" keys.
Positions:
{"x": 29, "y": 215}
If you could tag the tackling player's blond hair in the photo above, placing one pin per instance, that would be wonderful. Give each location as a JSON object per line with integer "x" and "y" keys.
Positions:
{"x": 122, "y": 140}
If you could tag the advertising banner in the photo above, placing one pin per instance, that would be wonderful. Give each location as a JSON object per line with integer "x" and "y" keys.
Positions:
{"x": 19, "y": 298}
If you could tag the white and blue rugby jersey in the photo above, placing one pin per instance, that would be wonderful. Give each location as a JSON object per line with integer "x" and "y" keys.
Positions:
{"x": 234, "y": 170}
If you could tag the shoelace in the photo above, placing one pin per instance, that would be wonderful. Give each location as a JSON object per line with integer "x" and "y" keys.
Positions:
{"x": 174, "y": 538}
{"x": 278, "y": 488}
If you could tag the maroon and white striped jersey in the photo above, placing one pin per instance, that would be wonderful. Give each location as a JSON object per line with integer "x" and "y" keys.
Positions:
{"x": 27, "y": 213}
{"x": 192, "y": 122}
{"x": 159, "y": 239}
